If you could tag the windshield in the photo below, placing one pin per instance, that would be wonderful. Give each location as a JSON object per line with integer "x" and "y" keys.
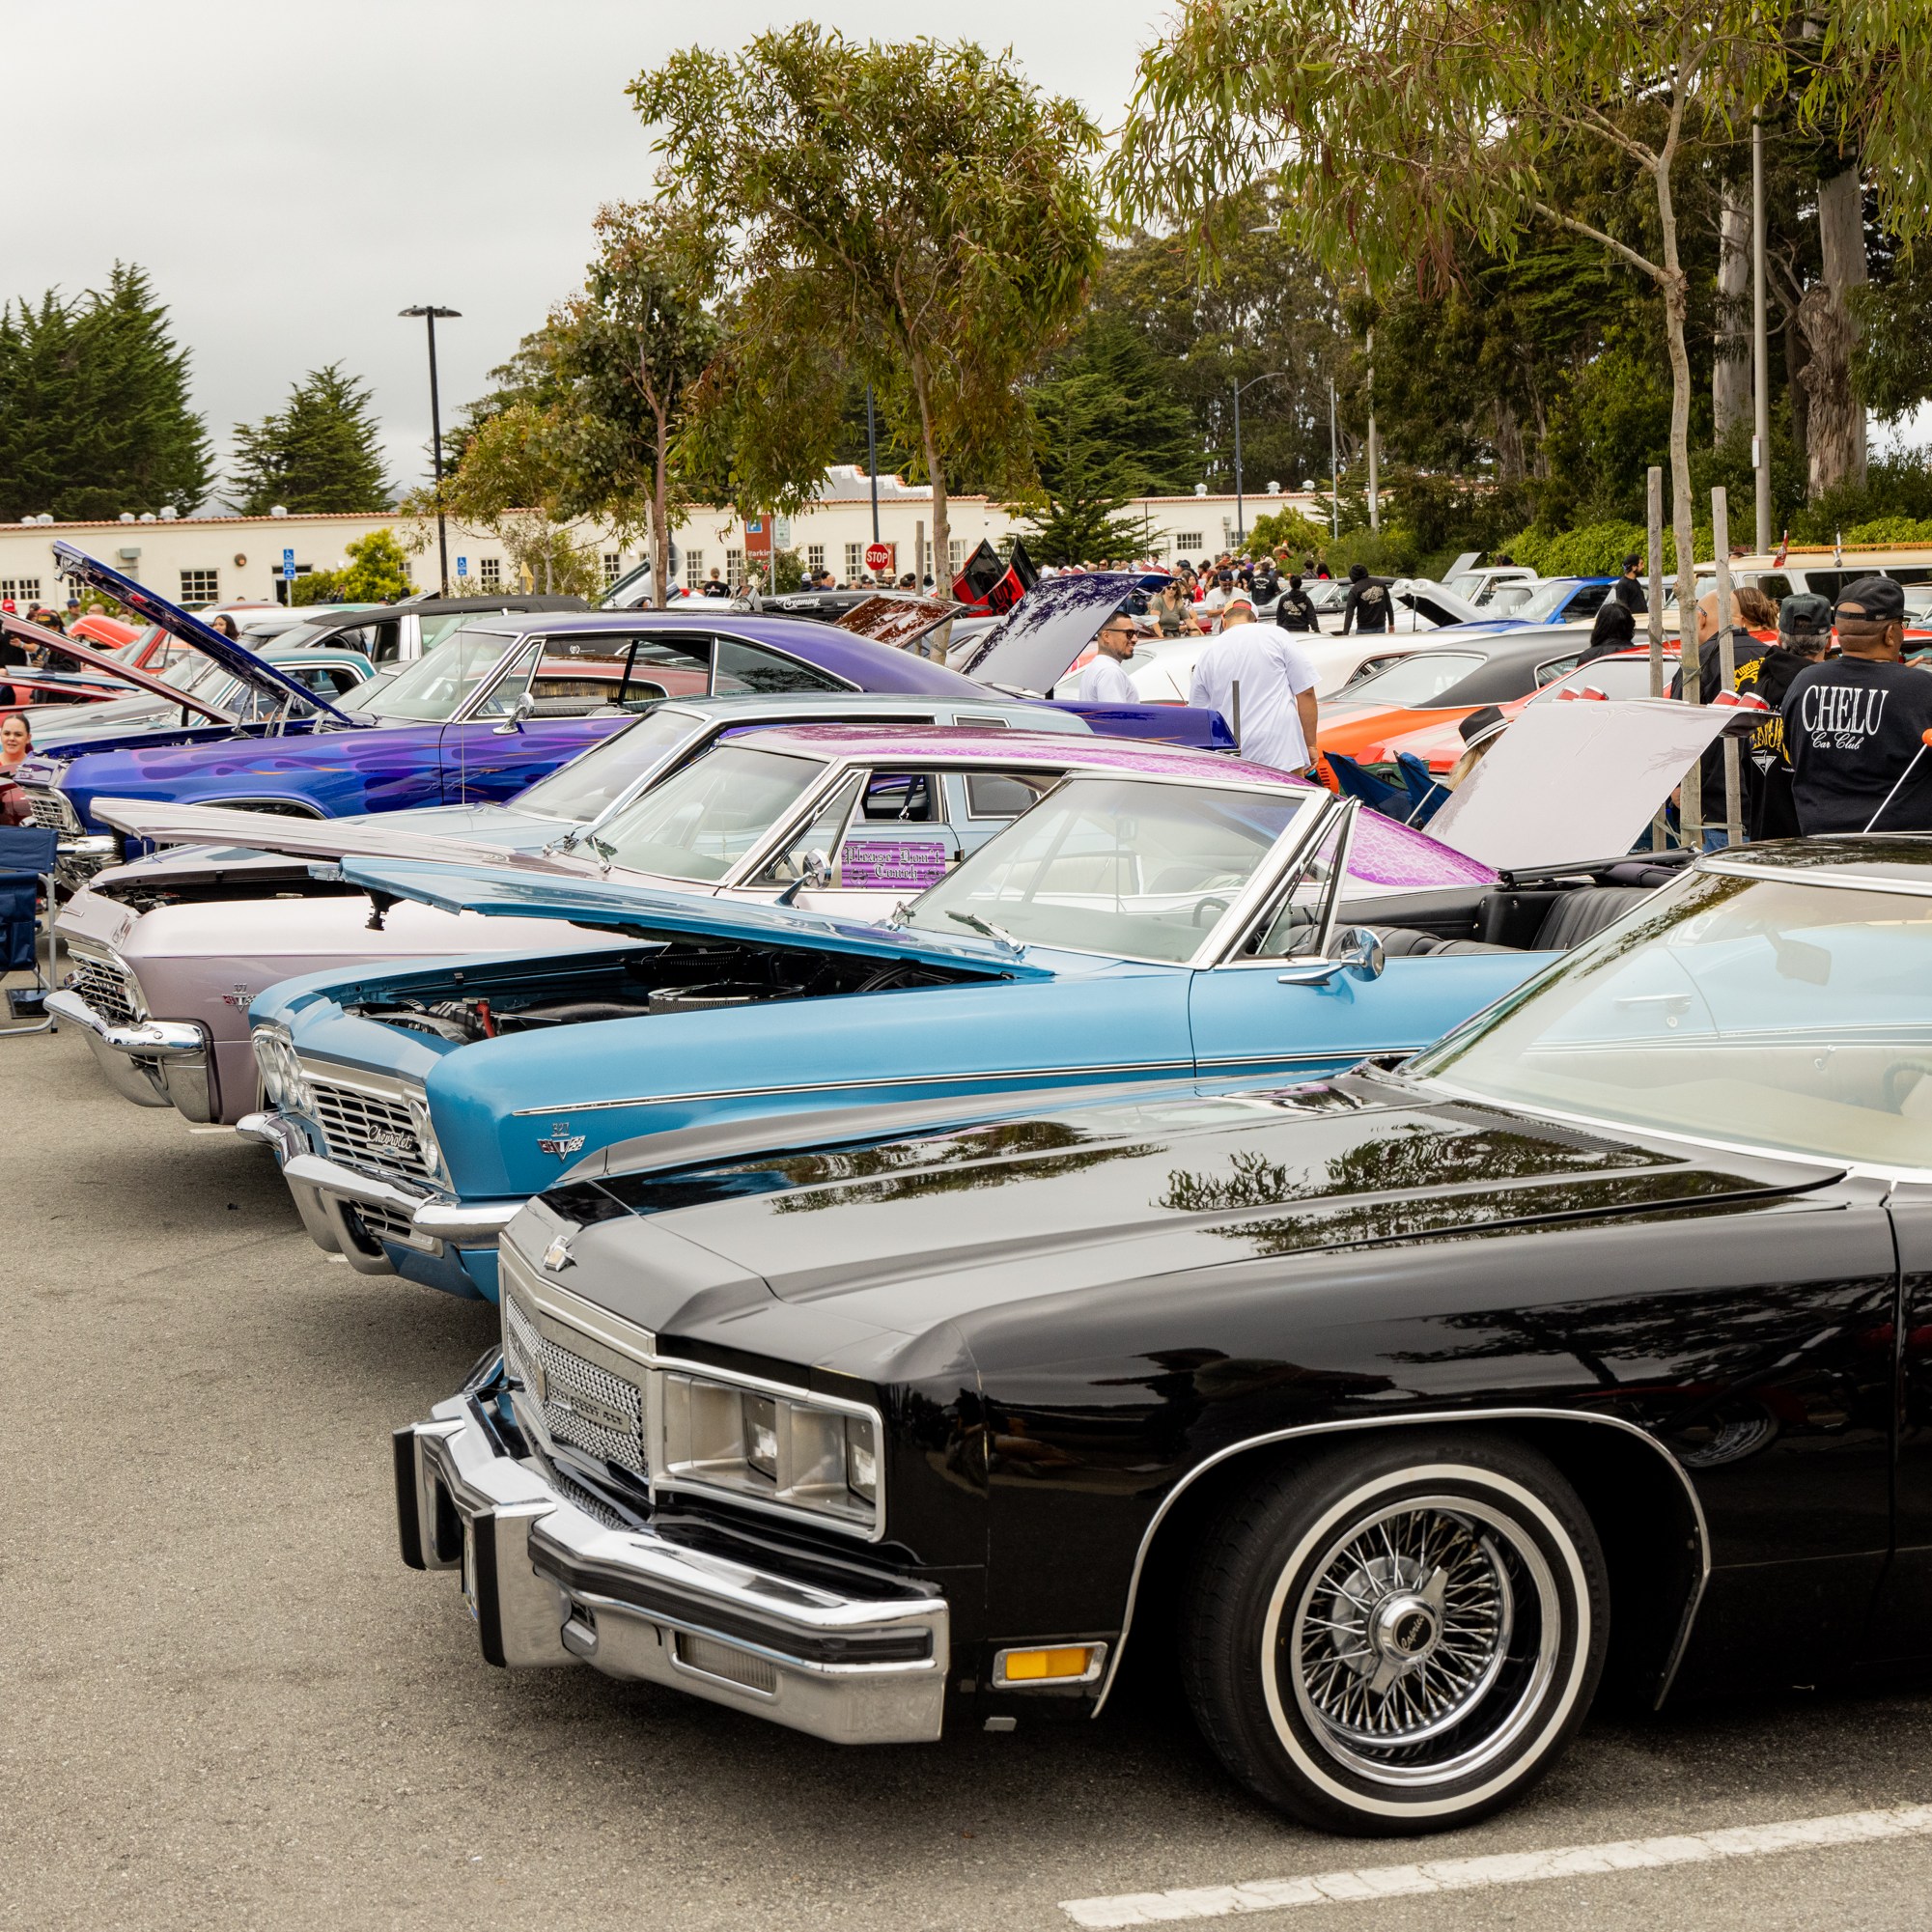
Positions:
{"x": 1615, "y": 676}
{"x": 586, "y": 786}
{"x": 436, "y": 687}
{"x": 1109, "y": 865}
{"x": 1416, "y": 679}
{"x": 700, "y": 821}
{"x": 1765, "y": 1012}
{"x": 1546, "y": 599}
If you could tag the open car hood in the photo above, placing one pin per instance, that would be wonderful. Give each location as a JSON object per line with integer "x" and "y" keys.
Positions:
{"x": 1575, "y": 780}
{"x": 655, "y": 915}
{"x": 900, "y": 620}
{"x": 254, "y": 671}
{"x": 168, "y": 823}
{"x": 126, "y": 674}
{"x": 1034, "y": 645}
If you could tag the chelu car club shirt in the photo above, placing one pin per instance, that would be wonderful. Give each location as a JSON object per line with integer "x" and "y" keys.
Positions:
{"x": 1851, "y": 728}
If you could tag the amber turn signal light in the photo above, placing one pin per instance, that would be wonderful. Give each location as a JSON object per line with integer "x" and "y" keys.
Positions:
{"x": 1070, "y": 1664}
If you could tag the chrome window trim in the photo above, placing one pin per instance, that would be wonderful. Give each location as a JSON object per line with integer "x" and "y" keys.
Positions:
{"x": 1834, "y": 882}
{"x": 1680, "y": 1644}
{"x": 773, "y": 650}
{"x": 539, "y": 1296}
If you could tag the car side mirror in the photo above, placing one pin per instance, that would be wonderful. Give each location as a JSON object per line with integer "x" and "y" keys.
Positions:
{"x": 1356, "y": 951}
{"x": 817, "y": 869}
{"x": 518, "y": 711}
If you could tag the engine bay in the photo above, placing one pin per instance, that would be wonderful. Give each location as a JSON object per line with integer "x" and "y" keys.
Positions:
{"x": 480, "y": 1003}
{"x": 149, "y": 893}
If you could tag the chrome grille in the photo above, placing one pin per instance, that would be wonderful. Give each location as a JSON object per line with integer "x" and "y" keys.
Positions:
{"x": 383, "y": 1223}
{"x": 366, "y": 1130}
{"x": 50, "y": 809}
{"x": 107, "y": 986}
{"x": 553, "y": 1375}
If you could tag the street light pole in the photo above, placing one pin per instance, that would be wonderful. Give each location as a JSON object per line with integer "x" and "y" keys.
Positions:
{"x": 1334, "y": 470}
{"x": 872, "y": 459}
{"x": 429, "y": 312}
{"x": 1239, "y": 513}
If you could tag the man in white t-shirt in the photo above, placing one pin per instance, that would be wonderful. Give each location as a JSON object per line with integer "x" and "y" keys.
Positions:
{"x": 1104, "y": 682}
{"x": 1277, "y": 712}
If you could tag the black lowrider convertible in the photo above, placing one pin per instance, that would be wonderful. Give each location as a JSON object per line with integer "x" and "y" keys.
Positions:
{"x": 1395, "y": 1412}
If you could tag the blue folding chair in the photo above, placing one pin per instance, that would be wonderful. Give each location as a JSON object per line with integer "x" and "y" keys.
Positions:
{"x": 1356, "y": 783}
{"x": 1426, "y": 793}
{"x": 28, "y": 855}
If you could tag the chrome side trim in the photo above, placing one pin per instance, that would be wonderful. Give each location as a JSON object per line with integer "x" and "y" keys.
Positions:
{"x": 1797, "y": 875}
{"x": 1452, "y": 1416}
{"x": 312, "y": 1170}
{"x": 1153, "y": 1070}
{"x": 468, "y": 1225}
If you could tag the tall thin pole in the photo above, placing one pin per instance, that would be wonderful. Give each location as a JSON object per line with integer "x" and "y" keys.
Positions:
{"x": 1334, "y": 469}
{"x": 1759, "y": 359}
{"x": 1240, "y": 515}
{"x": 872, "y": 459}
{"x": 437, "y": 459}
{"x": 1654, "y": 621}
{"x": 1728, "y": 670}
{"x": 1374, "y": 467}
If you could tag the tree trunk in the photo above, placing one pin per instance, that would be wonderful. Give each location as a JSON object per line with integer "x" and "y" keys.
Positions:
{"x": 661, "y": 521}
{"x": 1836, "y": 418}
{"x": 1730, "y": 367}
{"x": 1508, "y": 443}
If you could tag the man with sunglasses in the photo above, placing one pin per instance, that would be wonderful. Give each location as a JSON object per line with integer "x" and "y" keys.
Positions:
{"x": 1104, "y": 682}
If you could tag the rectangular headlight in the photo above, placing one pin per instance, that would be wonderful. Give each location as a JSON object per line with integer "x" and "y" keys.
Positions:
{"x": 771, "y": 1447}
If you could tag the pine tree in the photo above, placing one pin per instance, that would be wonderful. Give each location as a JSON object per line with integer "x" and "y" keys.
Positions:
{"x": 318, "y": 455}
{"x": 93, "y": 406}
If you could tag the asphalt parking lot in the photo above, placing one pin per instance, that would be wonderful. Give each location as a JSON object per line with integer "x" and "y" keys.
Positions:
{"x": 224, "y": 1702}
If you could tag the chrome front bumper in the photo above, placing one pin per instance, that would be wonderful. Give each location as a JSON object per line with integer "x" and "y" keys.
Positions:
{"x": 548, "y": 1583}
{"x": 151, "y": 1062}
{"x": 324, "y": 1191}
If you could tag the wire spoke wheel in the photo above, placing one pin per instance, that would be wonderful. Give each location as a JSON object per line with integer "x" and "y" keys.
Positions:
{"x": 1421, "y": 1638}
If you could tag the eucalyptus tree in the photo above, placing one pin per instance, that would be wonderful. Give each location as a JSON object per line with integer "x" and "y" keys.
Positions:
{"x": 916, "y": 216}
{"x": 1400, "y": 133}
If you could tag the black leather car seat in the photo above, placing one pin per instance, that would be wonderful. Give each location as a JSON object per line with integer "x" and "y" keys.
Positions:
{"x": 1572, "y": 918}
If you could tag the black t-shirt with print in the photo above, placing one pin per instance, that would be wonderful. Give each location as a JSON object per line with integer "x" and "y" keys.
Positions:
{"x": 1851, "y": 727}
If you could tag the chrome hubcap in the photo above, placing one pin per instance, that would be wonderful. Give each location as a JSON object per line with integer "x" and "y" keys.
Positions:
{"x": 1423, "y": 1637}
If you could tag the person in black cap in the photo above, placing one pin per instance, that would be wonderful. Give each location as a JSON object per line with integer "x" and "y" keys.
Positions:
{"x": 1803, "y": 636}
{"x": 1855, "y": 724}
{"x": 1612, "y": 628}
{"x": 1628, "y": 590}
{"x": 1479, "y": 731}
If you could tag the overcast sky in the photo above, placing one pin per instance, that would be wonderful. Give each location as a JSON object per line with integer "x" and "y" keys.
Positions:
{"x": 292, "y": 175}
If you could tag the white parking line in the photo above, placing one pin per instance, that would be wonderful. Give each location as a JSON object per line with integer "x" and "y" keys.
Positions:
{"x": 1371, "y": 1882}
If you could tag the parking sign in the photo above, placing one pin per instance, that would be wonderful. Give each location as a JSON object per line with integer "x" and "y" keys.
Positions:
{"x": 289, "y": 566}
{"x": 463, "y": 567}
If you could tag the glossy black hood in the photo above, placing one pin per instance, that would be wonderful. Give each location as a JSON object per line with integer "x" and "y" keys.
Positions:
{"x": 904, "y": 1237}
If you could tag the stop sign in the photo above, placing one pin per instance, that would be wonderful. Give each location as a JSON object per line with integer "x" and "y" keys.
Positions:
{"x": 878, "y": 556}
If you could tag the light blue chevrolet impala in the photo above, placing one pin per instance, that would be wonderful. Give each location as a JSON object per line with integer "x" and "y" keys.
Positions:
{"x": 1159, "y": 914}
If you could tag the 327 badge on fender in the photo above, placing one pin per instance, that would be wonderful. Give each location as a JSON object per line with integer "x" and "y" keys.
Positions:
{"x": 561, "y": 1141}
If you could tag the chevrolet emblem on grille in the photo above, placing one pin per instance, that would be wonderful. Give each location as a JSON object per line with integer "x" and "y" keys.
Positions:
{"x": 391, "y": 1141}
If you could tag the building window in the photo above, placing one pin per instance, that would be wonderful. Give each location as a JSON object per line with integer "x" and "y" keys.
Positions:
{"x": 613, "y": 563}
{"x": 694, "y": 569}
{"x": 23, "y": 590}
{"x": 954, "y": 554}
{"x": 855, "y": 560}
{"x": 1188, "y": 543}
{"x": 201, "y": 587}
{"x": 490, "y": 572}
{"x": 734, "y": 567}
{"x": 815, "y": 556}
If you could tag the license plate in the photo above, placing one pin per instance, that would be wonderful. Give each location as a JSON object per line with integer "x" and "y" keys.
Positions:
{"x": 469, "y": 1567}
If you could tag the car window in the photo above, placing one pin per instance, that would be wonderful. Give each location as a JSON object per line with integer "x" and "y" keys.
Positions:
{"x": 746, "y": 668}
{"x": 1004, "y": 794}
{"x": 1418, "y": 678}
{"x": 908, "y": 798}
{"x": 702, "y": 820}
{"x": 1775, "y": 585}
{"x": 436, "y": 686}
{"x": 1541, "y": 602}
{"x": 1295, "y": 926}
{"x": 435, "y": 628}
{"x": 1552, "y": 668}
{"x": 1615, "y": 676}
{"x": 1764, "y": 1011}
{"x": 1114, "y": 866}
{"x": 822, "y": 833}
{"x": 1586, "y": 602}
{"x": 591, "y": 781}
